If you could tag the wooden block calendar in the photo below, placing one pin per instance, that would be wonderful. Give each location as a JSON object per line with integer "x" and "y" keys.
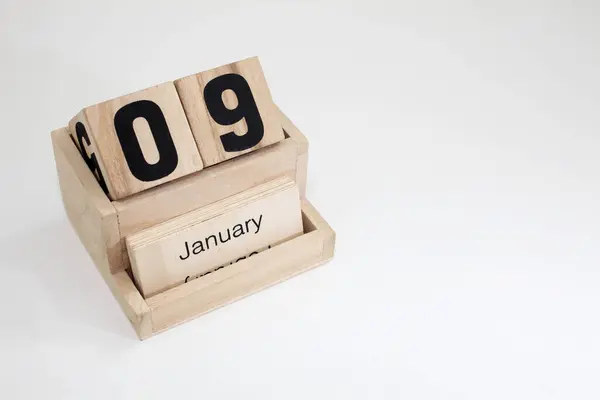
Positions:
{"x": 190, "y": 195}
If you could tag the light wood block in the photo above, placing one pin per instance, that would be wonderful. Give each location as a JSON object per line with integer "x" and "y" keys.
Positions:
{"x": 138, "y": 141}
{"x": 230, "y": 110}
{"x": 168, "y": 254}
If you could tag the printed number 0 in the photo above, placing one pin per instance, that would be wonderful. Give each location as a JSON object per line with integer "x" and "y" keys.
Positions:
{"x": 138, "y": 165}
{"x": 246, "y": 109}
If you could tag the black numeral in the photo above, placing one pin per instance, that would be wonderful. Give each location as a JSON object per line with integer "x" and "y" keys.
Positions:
{"x": 90, "y": 159}
{"x": 152, "y": 113}
{"x": 246, "y": 109}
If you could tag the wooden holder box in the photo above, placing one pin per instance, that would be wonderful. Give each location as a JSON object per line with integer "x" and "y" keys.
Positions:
{"x": 102, "y": 226}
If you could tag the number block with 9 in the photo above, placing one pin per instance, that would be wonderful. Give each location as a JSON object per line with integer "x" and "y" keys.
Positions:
{"x": 230, "y": 110}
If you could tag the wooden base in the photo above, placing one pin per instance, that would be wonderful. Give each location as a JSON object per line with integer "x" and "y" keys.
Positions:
{"x": 102, "y": 226}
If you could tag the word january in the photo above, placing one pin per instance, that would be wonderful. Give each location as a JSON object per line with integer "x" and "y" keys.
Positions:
{"x": 238, "y": 230}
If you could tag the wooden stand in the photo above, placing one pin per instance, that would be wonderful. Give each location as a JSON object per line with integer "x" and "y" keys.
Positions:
{"x": 102, "y": 226}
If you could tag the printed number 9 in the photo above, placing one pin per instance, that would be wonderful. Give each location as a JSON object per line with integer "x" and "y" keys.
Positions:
{"x": 246, "y": 109}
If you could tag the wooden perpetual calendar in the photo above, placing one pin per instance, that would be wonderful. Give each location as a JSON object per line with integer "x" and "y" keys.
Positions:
{"x": 190, "y": 194}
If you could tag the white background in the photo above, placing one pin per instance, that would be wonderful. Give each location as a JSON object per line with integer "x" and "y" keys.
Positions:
{"x": 454, "y": 149}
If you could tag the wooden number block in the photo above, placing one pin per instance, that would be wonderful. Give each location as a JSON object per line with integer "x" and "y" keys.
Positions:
{"x": 170, "y": 253}
{"x": 137, "y": 141}
{"x": 230, "y": 110}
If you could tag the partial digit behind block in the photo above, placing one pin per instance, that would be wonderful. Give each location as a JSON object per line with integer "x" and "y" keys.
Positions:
{"x": 137, "y": 141}
{"x": 230, "y": 110}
